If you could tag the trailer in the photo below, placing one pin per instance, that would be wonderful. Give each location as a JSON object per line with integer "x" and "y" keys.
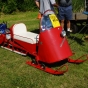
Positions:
{"x": 80, "y": 19}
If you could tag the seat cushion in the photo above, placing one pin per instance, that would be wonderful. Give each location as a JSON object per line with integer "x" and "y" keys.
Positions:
{"x": 28, "y": 37}
{"x": 20, "y": 33}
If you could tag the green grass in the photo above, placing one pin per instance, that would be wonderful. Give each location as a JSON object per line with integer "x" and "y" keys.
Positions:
{"x": 15, "y": 73}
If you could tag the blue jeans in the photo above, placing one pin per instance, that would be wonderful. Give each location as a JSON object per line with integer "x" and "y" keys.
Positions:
{"x": 46, "y": 23}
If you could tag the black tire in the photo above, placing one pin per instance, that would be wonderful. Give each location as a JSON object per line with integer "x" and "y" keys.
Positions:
{"x": 74, "y": 28}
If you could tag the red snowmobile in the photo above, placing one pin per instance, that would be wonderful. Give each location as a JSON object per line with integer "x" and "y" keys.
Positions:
{"x": 48, "y": 47}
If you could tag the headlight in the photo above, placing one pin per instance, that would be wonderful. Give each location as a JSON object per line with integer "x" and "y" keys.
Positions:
{"x": 63, "y": 33}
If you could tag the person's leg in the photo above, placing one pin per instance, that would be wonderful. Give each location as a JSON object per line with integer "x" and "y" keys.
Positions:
{"x": 62, "y": 24}
{"x": 69, "y": 26}
{"x": 46, "y": 23}
{"x": 61, "y": 16}
{"x": 68, "y": 15}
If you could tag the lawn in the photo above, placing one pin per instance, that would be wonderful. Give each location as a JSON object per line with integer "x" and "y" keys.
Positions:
{"x": 15, "y": 73}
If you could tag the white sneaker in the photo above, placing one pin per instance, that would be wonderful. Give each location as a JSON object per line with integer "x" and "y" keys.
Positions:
{"x": 69, "y": 30}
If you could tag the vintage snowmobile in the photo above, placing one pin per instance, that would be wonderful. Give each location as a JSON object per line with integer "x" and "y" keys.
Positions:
{"x": 48, "y": 47}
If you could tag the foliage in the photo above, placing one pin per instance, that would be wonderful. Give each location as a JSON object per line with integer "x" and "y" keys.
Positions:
{"x": 9, "y": 6}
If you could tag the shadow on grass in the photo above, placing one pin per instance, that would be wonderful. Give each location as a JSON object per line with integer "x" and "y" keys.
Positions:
{"x": 57, "y": 66}
{"x": 36, "y": 31}
{"x": 76, "y": 39}
{"x": 59, "y": 63}
{"x": 83, "y": 30}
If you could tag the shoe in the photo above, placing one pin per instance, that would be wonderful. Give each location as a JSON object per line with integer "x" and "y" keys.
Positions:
{"x": 69, "y": 30}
